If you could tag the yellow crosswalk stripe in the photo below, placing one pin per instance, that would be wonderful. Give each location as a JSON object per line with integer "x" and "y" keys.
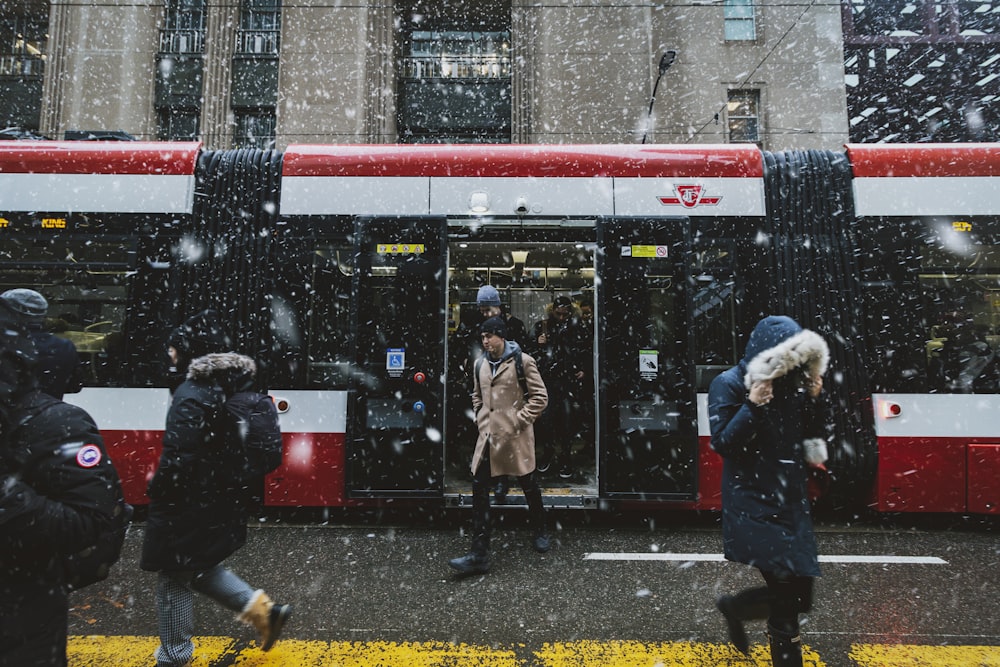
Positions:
{"x": 137, "y": 651}
{"x": 911, "y": 655}
{"x": 675, "y": 654}
{"x": 129, "y": 651}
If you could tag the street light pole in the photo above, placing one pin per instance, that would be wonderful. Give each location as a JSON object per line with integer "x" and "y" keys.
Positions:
{"x": 666, "y": 60}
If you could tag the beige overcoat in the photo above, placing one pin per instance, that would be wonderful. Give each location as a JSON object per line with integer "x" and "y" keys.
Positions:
{"x": 506, "y": 415}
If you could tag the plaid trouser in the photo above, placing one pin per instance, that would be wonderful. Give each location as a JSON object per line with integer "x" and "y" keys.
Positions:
{"x": 175, "y": 607}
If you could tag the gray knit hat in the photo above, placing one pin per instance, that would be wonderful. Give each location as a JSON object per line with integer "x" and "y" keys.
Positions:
{"x": 28, "y": 304}
{"x": 488, "y": 296}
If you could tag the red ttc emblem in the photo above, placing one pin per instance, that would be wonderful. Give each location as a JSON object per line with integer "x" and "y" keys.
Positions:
{"x": 689, "y": 196}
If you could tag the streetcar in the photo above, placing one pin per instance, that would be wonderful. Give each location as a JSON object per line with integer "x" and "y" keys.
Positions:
{"x": 350, "y": 273}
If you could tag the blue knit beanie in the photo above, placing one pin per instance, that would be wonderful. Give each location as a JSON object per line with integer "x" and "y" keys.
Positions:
{"x": 488, "y": 296}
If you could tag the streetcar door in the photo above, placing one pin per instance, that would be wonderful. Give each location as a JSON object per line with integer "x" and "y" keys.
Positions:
{"x": 395, "y": 415}
{"x": 648, "y": 436}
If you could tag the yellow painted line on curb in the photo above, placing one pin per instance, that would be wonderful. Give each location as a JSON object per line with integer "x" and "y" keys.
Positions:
{"x": 912, "y": 655}
{"x": 137, "y": 651}
{"x": 652, "y": 654}
{"x": 133, "y": 651}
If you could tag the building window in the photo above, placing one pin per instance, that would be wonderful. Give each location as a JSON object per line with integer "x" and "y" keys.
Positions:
{"x": 254, "y": 128}
{"x": 743, "y": 111}
{"x": 176, "y": 124}
{"x": 23, "y": 40}
{"x": 453, "y": 80}
{"x": 260, "y": 27}
{"x": 437, "y": 54}
{"x": 740, "y": 20}
{"x": 183, "y": 27}
{"x": 22, "y": 45}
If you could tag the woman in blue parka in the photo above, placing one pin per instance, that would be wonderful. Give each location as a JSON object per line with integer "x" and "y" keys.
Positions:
{"x": 769, "y": 423}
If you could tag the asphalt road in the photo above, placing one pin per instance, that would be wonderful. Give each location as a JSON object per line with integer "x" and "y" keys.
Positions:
{"x": 926, "y": 583}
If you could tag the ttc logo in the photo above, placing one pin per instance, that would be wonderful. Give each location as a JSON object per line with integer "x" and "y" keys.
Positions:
{"x": 689, "y": 196}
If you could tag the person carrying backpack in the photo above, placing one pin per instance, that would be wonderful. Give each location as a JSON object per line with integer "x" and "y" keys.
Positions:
{"x": 197, "y": 511}
{"x": 59, "y": 494}
{"x": 505, "y": 413}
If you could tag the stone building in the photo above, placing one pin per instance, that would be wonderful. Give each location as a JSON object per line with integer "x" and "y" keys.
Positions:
{"x": 268, "y": 72}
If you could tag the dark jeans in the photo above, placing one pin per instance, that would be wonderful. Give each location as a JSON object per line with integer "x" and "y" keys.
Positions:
{"x": 780, "y": 602}
{"x": 788, "y": 596}
{"x": 482, "y": 526}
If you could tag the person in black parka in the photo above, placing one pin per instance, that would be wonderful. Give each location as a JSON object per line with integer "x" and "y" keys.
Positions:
{"x": 59, "y": 493}
{"x": 58, "y": 361}
{"x": 769, "y": 422}
{"x": 197, "y": 511}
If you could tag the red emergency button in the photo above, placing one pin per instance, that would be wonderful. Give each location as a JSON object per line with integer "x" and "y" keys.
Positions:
{"x": 419, "y": 377}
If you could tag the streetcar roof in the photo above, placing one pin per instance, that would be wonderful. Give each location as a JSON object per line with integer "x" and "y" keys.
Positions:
{"x": 99, "y": 157}
{"x": 513, "y": 161}
{"x": 924, "y": 160}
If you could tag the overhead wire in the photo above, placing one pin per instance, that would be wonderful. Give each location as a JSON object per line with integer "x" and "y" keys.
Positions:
{"x": 747, "y": 78}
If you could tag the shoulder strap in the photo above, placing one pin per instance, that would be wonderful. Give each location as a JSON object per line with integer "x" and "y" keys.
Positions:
{"x": 518, "y": 366}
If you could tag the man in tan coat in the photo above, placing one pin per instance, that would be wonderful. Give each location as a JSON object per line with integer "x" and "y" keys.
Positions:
{"x": 506, "y": 407}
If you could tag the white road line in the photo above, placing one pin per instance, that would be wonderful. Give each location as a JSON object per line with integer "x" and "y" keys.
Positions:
{"x": 876, "y": 560}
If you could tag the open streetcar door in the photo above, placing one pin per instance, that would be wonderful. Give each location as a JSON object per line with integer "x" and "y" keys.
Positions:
{"x": 648, "y": 435}
{"x": 395, "y": 414}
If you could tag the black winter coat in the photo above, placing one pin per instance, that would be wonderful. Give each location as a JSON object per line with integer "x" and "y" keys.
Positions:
{"x": 197, "y": 511}
{"x": 766, "y": 518}
{"x": 58, "y": 493}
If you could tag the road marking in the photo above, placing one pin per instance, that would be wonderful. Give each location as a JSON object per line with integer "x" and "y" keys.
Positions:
{"x": 877, "y": 560}
{"x": 137, "y": 651}
{"x": 903, "y": 655}
{"x": 674, "y": 654}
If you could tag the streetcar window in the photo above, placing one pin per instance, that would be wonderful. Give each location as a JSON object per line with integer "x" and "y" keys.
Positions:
{"x": 713, "y": 312}
{"x": 311, "y": 314}
{"x": 961, "y": 295}
{"x": 932, "y": 308}
{"x": 86, "y": 282}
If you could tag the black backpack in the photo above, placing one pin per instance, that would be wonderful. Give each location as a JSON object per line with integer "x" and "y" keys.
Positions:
{"x": 255, "y": 424}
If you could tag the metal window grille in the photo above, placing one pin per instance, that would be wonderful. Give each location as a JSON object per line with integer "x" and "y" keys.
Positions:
{"x": 260, "y": 27}
{"x": 255, "y": 128}
{"x": 183, "y": 27}
{"x": 442, "y": 54}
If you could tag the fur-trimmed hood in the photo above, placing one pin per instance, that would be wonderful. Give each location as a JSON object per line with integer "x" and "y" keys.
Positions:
{"x": 219, "y": 365}
{"x": 778, "y": 345}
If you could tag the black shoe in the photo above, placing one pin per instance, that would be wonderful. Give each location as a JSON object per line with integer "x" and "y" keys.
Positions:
{"x": 566, "y": 471}
{"x": 471, "y": 564}
{"x": 543, "y": 465}
{"x": 737, "y": 635}
{"x": 542, "y": 543}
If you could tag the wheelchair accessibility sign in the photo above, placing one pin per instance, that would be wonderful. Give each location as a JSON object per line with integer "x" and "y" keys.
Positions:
{"x": 395, "y": 361}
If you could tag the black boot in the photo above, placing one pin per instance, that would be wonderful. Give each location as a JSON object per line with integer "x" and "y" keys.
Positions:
{"x": 737, "y": 635}
{"x": 786, "y": 648}
{"x": 471, "y": 563}
{"x": 746, "y": 605}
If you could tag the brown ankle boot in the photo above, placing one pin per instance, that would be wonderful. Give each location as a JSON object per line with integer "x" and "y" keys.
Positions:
{"x": 266, "y": 617}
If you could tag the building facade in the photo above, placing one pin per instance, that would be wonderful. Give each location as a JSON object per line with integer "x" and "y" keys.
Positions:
{"x": 257, "y": 73}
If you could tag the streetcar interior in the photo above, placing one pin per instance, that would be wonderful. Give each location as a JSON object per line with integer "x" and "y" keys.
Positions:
{"x": 529, "y": 275}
